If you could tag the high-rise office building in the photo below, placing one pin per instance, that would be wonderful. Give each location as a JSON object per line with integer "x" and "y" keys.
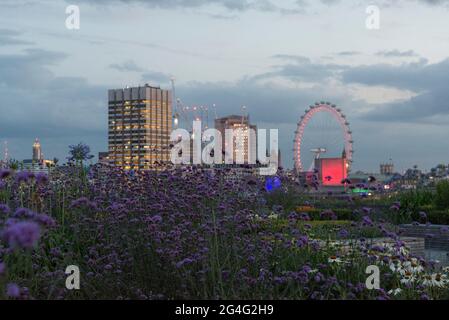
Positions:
{"x": 247, "y": 150}
{"x": 140, "y": 124}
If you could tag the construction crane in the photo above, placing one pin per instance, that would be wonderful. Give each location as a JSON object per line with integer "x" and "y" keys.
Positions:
{"x": 243, "y": 114}
{"x": 187, "y": 113}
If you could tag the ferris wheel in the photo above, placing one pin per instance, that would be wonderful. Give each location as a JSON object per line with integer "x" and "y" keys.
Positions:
{"x": 322, "y": 131}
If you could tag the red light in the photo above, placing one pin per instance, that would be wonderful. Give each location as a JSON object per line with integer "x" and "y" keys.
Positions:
{"x": 332, "y": 170}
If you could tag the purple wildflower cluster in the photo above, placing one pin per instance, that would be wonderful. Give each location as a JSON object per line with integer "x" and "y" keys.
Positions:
{"x": 183, "y": 233}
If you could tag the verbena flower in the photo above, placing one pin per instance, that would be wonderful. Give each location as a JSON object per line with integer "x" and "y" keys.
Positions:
{"x": 4, "y": 208}
{"x": 12, "y": 290}
{"x": 4, "y": 173}
{"x": 22, "y": 234}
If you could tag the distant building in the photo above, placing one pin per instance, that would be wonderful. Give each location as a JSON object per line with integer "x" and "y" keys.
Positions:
{"x": 387, "y": 168}
{"x": 140, "y": 124}
{"x": 331, "y": 171}
{"x": 37, "y": 163}
{"x": 363, "y": 177}
{"x": 103, "y": 157}
{"x": 37, "y": 151}
{"x": 247, "y": 150}
{"x": 33, "y": 166}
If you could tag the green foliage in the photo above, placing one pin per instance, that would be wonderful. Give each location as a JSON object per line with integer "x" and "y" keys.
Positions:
{"x": 414, "y": 199}
{"x": 442, "y": 194}
{"x": 288, "y": 199}
{"x": 13, "y": 164}
{"x": 434, "y": 215}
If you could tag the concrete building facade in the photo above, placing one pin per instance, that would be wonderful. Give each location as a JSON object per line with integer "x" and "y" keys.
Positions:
{"x": 140, "y": 124}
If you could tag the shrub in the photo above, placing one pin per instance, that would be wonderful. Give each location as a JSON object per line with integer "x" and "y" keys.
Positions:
{"x": 442, "y": 194}
{"x": 412, "y": 200}
{"x": 438, "y": 216}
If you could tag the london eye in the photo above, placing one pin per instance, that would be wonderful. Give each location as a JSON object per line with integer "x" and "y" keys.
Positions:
{"x": 322, "y": 131}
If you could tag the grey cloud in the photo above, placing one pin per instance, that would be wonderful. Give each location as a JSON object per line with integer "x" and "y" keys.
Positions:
{"x": 301, "y": 69}
{"x": 415, "y": 76}
{"x": 397, "y": 53}
{"x": 10, "y": 37}
{"x": 147, "y": 75}
{"x": 155, "y": 76}
{"x": 348, "y": 53}
{"x": 435, "y": 2}
{"x": 127, "y": 66}
{"x": 428, "y": 80}
{"x": 232, "y": 5}
{"x": 41, "y": 104}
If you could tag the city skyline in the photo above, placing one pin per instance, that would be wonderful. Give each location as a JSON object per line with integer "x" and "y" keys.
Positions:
{"x": 390, "y": 82}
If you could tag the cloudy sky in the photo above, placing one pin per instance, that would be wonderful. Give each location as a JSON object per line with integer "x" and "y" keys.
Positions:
{"x": 274, "y": 56}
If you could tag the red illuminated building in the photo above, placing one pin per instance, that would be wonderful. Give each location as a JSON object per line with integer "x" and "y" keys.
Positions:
{"x": 331, "y": 171}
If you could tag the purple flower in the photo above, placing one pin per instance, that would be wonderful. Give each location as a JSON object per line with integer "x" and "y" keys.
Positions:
{"x": 5, "y": 173}
{"x": 23, "y": 213}
{"x": 304, "y": 216}
{"x": 302, "y": 241}
{"x": 366, "y": 210}
{"x": 4, "y": 208}
{"x": 424, "y": 296}
{"x": 24, "y": 176}
{"x": 156, "y": 219}
{"x": 423, "y": 215}
{"x": 444, "y": 229}
{"x": 367, "y": 221}
{"x": 2, "y": 268}
{"x": 22, "y": 234}
{"x": 395, "y": 207}
{"x": 45, "y": 220}
{"x": 328, "y": 214}
{"x": 12, "y": 290}
{"x": 41, "y": 178}
{"x": 184, "y": 262}
{"x": 343, "y": 233}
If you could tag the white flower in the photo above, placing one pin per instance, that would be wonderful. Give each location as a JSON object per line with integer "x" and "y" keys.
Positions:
{"x": 395, "y": 292}
{"x": 413, "y": 266}
{"x": 334, "y": 259}
{"x": 427, "y": 281}
{"x": 408, "y": 278}
{"x": 273, "y": 216}
{"x": 395, "y": 266}
{"x": 439, "y": 280}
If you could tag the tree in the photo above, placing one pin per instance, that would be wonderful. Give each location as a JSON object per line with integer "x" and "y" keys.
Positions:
{"x": 13, "y": 164}
{"x": 79, "y": 153}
